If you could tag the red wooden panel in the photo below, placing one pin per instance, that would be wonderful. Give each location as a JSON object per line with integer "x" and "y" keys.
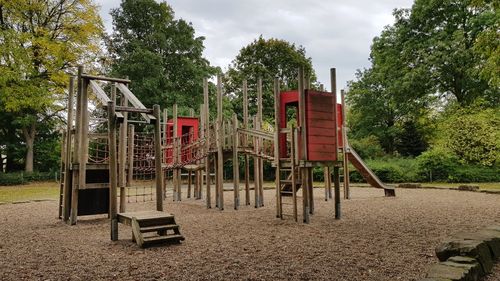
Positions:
{"x": 321, "y": 115}
{"x": 314, "y": 131}
{"x": 322, "y": 140}
{"x": 321, "y": 156}
{"x": 327, "y": 124}
{"x": 321, "y": 147}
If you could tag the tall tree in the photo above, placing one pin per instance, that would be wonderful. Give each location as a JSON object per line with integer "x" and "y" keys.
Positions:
{"x": 441, "y": 40}
{"x": 266, "y": 58}
{"x": 160, "y": 54}
{"x": 41, "y": 41}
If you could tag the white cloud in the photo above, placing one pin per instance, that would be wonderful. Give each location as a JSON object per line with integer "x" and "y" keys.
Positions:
{"x": 334, "y": 33}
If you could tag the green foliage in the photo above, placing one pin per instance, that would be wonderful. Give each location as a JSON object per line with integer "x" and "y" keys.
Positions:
{"x": 159, "y": 53}
{"x": 368, "y": 147}
{"x": 267, "y": 59}
{"x": 40, "y": 42}
{"x": 472, "y": 135}
{"x": 23, "y": 178}
{"x": 437, "y": 164}
{"x": 390, "y": 170}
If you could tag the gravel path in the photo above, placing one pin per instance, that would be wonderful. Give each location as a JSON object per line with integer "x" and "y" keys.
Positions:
{"x": 378, "y": 238}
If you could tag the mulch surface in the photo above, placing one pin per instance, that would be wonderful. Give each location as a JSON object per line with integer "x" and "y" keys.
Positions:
{"x": 378, "y": 238}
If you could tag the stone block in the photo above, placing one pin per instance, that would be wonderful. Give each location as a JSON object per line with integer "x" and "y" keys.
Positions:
{"x": 448, "y": 272}
{"x": 469, "y": 248}
{"x": 468, "y": 187}
{"x": 409, "y": 185}
{"x": 490, "y": 237}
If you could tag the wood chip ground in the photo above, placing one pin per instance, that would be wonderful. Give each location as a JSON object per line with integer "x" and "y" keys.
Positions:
{"x": 378, "y": 238}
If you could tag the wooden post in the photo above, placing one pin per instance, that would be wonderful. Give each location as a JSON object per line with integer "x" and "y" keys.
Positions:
{"x": 256, "y": 173}
{"x": 67, "y": 159}
{"x": 206, "y": 112}
{"x": 201, "y": 152}
{"x": 260, "y": 142}
{"x": 220, "y": 140}
{"x": 245, "y": 142}
{"x": 347, "y": 191}
{"x": 130, "y": 161}
{"x": 336, "y": 182}
{"x": 236, "y": 164}
{"x": 277, "y": 125}
{"x": 175, "y": 154}
{"x": 122, "y": 151}
{"x": 77, "y": 152}
{"x": 113, "y": 169}
{"x": 164, "y": 143}
{"x": 190, "y": 182}
{"x": 84, "y": 140}
{"x": 158, "y": 159}
{"x": 303, "y": 148}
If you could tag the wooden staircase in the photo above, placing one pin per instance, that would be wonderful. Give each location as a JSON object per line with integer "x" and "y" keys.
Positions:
{"x": 152, "y": 228}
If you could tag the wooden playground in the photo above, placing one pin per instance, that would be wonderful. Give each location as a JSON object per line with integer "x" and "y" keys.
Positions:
{"x": 117, "y": 144}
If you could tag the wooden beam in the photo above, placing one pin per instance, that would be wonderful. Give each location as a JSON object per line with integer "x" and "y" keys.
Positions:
{"x": 67, "y": 159}
{"x": 336, "y": 182}
{"x": 100, "y": 94}
{"x": 76, "y": 149}
{"x": 220, "y": 143}
{"x": 158, "y": 159}
{"x": 245, "y": 142}
{"x": 175, "y": 154}
{"x": 103, "y": 78}
{"x": 302, "y": 114}
{"x": 135, "y": 101}
{"x": 236, "y": 165}
{"x": 333, "y": 82}
{"x": 130, "y": 155}
{"x": 206, "y": 112}
{"x": 277, "y": 125}
{"x": 122, "y": 154}
{"x": 112, "y": 171}
{"x": 347, "y": 192}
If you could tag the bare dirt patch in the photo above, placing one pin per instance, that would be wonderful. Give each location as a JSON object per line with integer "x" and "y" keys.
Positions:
{"x": 378, "y": 238}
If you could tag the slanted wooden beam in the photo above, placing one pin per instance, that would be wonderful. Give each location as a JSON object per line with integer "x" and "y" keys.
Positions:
{"x": 135, "y": 102}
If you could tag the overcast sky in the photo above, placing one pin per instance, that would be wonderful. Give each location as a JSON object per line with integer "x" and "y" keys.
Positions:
{"x": 335, "y": 33}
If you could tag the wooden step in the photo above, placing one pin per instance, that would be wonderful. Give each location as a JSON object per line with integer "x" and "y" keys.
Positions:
{"x": 148, "y": 241}
{"x": 159, "y": 228}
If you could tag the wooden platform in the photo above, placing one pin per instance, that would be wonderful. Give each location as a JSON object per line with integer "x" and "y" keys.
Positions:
{"x": 151, "y": 227}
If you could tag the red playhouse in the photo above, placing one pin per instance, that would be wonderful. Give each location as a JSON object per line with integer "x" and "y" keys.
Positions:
{"x": 187, "y": 129}
{"x": 321, "y": 130}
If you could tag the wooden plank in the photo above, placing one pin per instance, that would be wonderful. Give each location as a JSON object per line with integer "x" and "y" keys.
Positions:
{"x": 67, "y": 156}
{"x": 158, "y": 159}
{"x": 321, "y": 140}
{"x": 100, "y": 94}
{"x": 103, "y": 78}
{"x": 113, "y": 167}
{"x": 134, "y": 101}
{"x": 206, "y": 112}
{"x": 325, "y": 132}
{"x": 245, "y": 142}
{"x": 236, "y": 165}
{"x": 323, "y": 124}
{"x": 318, "y": 115}
{"x": 220, "y": 144}
{"x": 277, "y": 125}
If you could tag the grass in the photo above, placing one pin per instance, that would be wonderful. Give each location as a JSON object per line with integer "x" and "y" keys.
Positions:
{"x": 50, "y": 190}
{"x": 482, "y": 186}
{"x": 32, "y": 191}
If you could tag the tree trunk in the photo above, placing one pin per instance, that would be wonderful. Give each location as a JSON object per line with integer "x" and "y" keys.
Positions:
{"x": 29, "y": 137}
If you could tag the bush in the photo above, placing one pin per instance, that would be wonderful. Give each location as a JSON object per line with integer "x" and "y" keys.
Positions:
{"x": 368, "y": 147}
{"x": 437, "y": 164}
{"x": 23, "y": 178}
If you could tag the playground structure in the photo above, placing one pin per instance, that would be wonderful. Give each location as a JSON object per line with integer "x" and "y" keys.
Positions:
{"x": 93, "y": 173}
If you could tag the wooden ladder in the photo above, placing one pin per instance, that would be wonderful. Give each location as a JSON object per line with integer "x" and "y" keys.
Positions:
{"x": 289, "y": 181}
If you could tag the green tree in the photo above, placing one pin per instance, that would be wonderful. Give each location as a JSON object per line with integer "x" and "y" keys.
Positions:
{"x": 441, "y": 40}
{"x": 40, "y": 42}
{"x": 266, "y": 59}
{"x": 160, "y": 54}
